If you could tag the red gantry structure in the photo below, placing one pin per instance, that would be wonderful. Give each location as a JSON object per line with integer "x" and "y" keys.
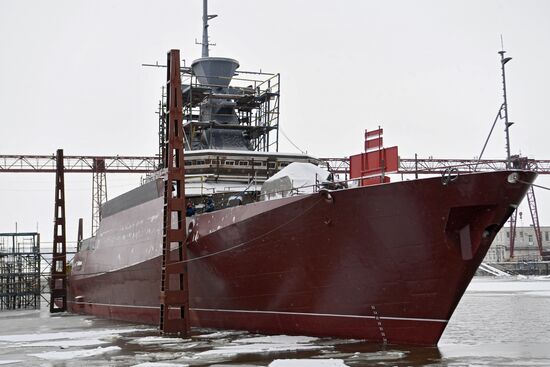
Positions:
{"x": 58, "y": 280}
{"x": 174, "y": 291}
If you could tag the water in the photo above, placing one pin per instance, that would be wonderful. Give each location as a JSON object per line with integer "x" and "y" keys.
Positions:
{"x": 499, "y": 322}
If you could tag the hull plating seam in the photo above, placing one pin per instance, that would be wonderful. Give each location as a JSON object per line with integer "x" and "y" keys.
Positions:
{"x": 274, "y": 312}
{"x": 109, "y": 305}
{"x": 322, "y": 314}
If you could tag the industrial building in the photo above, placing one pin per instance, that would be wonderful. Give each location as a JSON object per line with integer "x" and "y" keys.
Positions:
{"x": 526, "y": 248}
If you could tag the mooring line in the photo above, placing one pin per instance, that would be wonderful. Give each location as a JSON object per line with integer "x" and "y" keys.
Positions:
{"x": 535, "y": 185}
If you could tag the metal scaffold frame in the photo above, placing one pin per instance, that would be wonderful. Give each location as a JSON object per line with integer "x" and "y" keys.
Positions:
{"x": 431, "y": 165}
{"x": 99, "y": 192}
{"x": 148, "y": 164}
{"x": 20, "y": 285}
{"x": 256, "y": 97}
{"x": 11, "y": 163}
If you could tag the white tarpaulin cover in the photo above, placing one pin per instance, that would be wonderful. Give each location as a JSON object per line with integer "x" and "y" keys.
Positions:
{"x": 296, "y": 178}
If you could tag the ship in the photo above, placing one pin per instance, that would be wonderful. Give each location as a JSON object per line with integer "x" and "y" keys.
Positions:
{"x": 276, "y": 243}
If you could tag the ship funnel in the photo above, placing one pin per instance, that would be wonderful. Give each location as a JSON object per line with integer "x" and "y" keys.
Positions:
{"x": 214, "y": 71}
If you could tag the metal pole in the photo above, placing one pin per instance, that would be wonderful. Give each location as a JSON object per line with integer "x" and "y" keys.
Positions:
{"x": 415, "y": 166}
{"x": 205, "y": 28}
{"x": 503, "y": 61}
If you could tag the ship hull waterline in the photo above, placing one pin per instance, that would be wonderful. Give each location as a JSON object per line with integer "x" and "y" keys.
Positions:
{"x": 386, "y": 263}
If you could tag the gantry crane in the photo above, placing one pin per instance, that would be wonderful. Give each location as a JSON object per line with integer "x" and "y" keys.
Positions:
{"x": 99, "y": 166}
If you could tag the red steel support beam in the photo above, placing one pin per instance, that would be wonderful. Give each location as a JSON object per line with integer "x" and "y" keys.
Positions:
{"x": 432, "y": 165}
{"x": 146, "y": 164}
{"x": 58, "y": 281}
{"x": 78, "y": 164}
{"x": 174, "y": 292}
{"x": 513, "y": 221}
{"x": 535, "y": 217}
{"x": 80, "y": 234}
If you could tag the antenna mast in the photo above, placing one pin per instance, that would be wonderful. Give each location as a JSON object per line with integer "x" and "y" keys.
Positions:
{"x": 205, "y": 19}
{"x": 503, "y": 61}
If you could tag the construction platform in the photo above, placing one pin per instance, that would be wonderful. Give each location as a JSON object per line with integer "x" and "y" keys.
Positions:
{"x": 20, "y": 271}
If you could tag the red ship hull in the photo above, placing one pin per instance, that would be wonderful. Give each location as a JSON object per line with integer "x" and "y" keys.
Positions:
{"x": 386, "y": 263}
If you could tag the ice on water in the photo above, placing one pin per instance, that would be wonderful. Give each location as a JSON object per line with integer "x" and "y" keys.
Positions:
{"x": 65, "y": 335}
{"x": 308, "y": 363}
{"x": 79, "y": 353}
{"x": 160, "y": 364}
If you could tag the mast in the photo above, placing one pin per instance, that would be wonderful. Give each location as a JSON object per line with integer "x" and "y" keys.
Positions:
{"x": 205, "y": 19}
{"x": 503, "y": 61}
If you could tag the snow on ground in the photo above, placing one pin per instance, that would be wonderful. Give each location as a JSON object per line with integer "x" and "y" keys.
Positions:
{"x": 9, "y": 361}
{"x": 80, "y": 353}
{"x": 308, "y": 363}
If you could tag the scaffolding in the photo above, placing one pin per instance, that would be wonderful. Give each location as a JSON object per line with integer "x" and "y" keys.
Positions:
{"x": 20, "y": 271}
{"x": 254, "y": 97}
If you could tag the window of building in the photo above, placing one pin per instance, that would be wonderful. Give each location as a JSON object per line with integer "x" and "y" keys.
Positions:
{"x": 243, "y": 163}
{"x": 530, "y": 238}
{"x": 199, "y": 162}
{"x": 521, "y": 234}
{"x": 229, "y": 163}
{"x": 546, "y": 236}
{"x": 507, "y": 234}
{"x": 270, "y": 164}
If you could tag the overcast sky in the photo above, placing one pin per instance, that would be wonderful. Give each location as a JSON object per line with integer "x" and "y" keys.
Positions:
{"x": 428, "y": 72}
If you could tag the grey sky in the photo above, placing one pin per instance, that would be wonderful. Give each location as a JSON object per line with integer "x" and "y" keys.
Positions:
{"x": 427, "y": 71}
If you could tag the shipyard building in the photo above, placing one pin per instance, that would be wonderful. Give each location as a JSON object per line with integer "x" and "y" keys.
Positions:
{"x": 526, "y": 248}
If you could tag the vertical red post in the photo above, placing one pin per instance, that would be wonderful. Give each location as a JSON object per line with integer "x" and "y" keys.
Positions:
{"x": 174, "y": 294}
{"x": 58, "y": 280}
{"x": 535, "y": 217}
{"x": 80, "y": 234}
{"x": 513, "y": 221}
